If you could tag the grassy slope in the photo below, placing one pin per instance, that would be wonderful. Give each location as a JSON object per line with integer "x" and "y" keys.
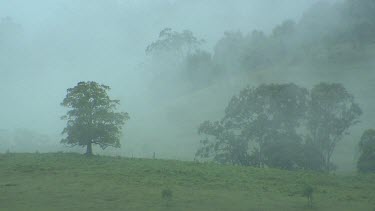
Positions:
{"x": 75, "y": 182}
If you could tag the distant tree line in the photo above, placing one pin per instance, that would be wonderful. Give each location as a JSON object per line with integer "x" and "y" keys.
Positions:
{"x": 281, "y": 125}
{"x": 326, "y": 33}
{"x": 25, "y": 140}
{"x": 179, "y": 58}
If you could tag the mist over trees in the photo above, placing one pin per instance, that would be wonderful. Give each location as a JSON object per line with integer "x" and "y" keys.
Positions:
{"x": 234, "y": 105}
{"x": 366, "y": 161}
{"x": 326, "y": 33}
{"x": 179, "y": 57}
{"x": 179, "y": 77}
{"x": 26, "y": 140}
{"x": 287, "y": 126}
{"x": 332, "y": 111}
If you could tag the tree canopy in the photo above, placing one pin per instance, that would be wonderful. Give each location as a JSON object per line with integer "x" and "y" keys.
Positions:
{"x": 178, "y": 57}
{"x": 281, "y": 125}
{"x": 176, "y": 42}
{"x": 332, "y": 111}
{"x": 257, "y": 116}
{"x": 92, "y": 118}
{"x": 366, "y": 161}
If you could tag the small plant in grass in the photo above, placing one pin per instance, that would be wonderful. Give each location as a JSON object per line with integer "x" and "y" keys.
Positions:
{"x": 308, "y": 191}
{"x": 166, "y": 195}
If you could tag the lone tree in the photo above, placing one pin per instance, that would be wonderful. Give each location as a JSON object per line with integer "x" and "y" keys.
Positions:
{"x": 308, "y": 193}
{"x": 92, "y": 118}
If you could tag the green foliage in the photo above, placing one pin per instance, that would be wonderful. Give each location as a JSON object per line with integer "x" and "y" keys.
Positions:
{"x": 229, "y": 52}
{"x": 179, "y": 57}
{"x": 326, "y": 34}
{"x": 177, "y": 42}
{"x": 166, "y": 195}
{"x": 308, "y": 191}
{"x": 92, "y": 118}
{"x": 289, "y": 126}
{"x": 332, "y": 111}
{"x": 284, "y": 151}
{"x": 261, "y": 115}
{"x": 199, "y": 69}
{"x": 226, "y": 148}
{"x": 360, "y": 18}
{"x": 312, "y": 155}
{"x": 366, "y": 161}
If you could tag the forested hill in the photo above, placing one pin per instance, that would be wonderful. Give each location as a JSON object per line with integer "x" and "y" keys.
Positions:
{"x": 326, "y": 34}
{"x": 331, "y": 42}
{"x": 182, "y": 81}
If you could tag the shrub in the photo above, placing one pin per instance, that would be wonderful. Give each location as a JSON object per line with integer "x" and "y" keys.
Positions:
{"x": 308, "y": 191}
{"x": 166, "y": 195}
{"x": 366, "y": 162}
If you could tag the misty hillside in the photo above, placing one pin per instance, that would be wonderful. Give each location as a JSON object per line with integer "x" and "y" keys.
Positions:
{"x": 187, "y": 105}
{"x": 334, "y": 51}
{"x": 173, "y": 75}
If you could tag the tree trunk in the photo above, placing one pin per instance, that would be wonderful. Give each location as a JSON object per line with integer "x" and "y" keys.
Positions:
{"x": 89, "y": 148}
{"x": 328, "y": 164}
{"x": 261, "y": 164}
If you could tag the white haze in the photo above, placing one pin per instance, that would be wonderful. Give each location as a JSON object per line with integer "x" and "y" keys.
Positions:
{"x": 62, "y": 42}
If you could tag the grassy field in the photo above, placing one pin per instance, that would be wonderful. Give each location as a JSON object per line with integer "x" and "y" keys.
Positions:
{"x": 65, "y": 181}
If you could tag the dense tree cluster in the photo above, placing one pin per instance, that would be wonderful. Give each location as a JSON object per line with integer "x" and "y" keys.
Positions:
{"x": 281, "y": 125}
{"x": 326, "y": 33}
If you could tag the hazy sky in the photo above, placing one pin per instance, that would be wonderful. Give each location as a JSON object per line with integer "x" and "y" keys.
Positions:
{"x": 143, "y": 19}
{"x": 70, "y": 40}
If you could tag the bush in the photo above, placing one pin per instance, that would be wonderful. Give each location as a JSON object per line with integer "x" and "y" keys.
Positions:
{"x": 166, "y": 195}
{"x": 366, "y": 161}
{"x": 308, "y": 191}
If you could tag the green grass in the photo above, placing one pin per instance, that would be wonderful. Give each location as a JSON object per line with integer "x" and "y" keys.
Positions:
{"x": 65, "y": 181}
